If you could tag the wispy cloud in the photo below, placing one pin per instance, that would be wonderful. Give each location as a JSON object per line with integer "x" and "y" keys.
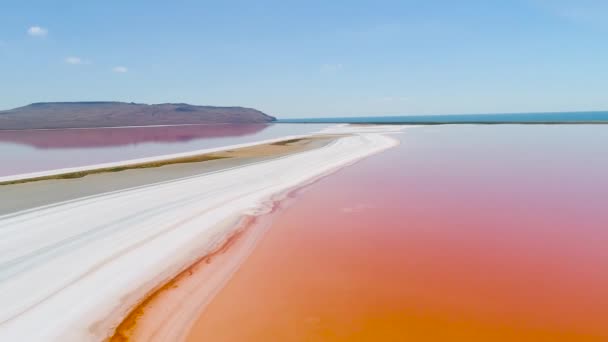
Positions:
{"x": 331, "y": 67}
{"x": 76, "y": 60}
{"x": 120, "y": 69}
{"x": 393, "y": 99}
{"x": 37, "y": 31}
{"x": 373, "y": 34}
{"x": 586, "y": 12}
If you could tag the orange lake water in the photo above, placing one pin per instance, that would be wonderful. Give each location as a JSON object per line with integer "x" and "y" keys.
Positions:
{"x": 462, "y": 233}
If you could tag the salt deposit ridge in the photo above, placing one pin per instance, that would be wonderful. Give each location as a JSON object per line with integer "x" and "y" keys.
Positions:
{"x": 71, "y": 271}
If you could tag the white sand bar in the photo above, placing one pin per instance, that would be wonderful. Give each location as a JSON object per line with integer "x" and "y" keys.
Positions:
{"x": 137, "y": 161}
{"x": 71, "y": 271}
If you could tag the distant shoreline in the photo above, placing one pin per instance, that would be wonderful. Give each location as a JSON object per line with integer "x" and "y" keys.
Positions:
{"x": 450, "y": 123}
{"x": 540, "y": 118}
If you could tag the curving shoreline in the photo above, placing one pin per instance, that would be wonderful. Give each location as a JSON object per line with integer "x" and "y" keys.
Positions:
{"x": 168, "y": 313}
{"x": 136, "y": 239}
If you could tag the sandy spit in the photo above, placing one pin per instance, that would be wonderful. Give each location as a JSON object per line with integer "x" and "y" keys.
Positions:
{"x": 71, "y": 271}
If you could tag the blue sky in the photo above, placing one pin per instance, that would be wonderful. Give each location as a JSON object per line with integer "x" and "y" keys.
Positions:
{"x": 310, "y": 58}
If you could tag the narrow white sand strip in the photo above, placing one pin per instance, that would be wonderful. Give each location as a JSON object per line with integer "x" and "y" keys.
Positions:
{"x": 71, "y": 271}
{"x": 55, "y": 172}
{"x": 349, "y": 128}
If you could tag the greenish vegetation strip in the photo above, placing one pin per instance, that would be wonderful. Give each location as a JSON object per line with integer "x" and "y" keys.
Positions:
{"x": 287, "y": 142}
{"x": 80, "y": 174}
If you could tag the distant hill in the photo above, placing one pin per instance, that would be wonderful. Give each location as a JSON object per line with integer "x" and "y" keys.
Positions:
{"x": 116, "y": 114}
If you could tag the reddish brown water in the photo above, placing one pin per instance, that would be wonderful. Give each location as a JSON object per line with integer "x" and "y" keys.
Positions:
{"x": 470, "y": 233}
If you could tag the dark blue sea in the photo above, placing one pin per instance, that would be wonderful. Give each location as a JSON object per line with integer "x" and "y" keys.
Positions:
{"x": 558, "y": 117}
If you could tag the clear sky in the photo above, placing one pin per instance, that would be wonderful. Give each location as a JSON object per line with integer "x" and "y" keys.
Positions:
{"x": 310, "y": 58}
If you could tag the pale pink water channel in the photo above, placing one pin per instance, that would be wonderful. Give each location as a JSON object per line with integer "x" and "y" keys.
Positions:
{"x": 39, "y": 150}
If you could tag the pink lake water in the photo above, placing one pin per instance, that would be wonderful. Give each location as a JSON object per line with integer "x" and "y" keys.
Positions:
{"x": 462, "y": 233}
{"x": 38, "y": 150}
